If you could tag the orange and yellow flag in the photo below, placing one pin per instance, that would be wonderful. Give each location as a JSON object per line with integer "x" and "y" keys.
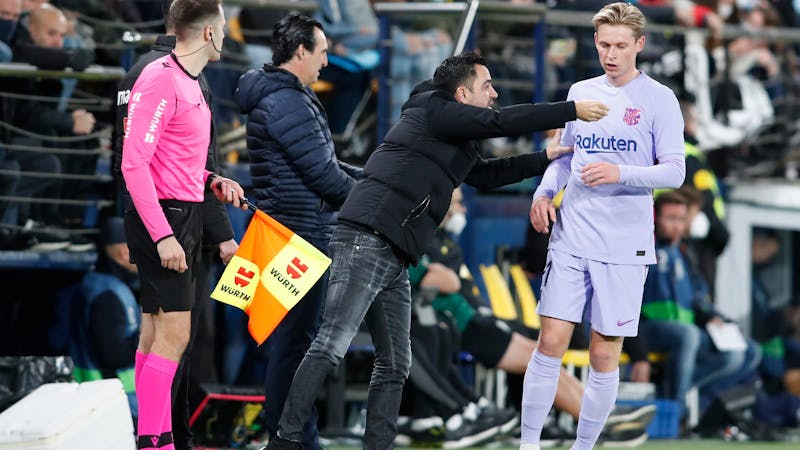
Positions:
{"x": 272, "y": 271}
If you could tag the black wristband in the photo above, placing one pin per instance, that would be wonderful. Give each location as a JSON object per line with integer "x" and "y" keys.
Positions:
{"x": 211, "y": 177}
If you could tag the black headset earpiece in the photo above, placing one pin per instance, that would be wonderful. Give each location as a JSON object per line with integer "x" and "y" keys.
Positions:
{"x": 211, "y": 35}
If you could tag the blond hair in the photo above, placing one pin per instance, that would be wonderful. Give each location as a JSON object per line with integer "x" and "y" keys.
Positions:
{"x": 621, "y": 13}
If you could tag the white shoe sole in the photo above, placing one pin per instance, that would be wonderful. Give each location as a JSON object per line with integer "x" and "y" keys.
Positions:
{"x": 627, "y": 444}
{"x": 642, "y": 416}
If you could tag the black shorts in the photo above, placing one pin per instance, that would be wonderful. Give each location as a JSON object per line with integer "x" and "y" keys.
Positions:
{"x": 487, "y": 338}
{"x": 162, "y": 288}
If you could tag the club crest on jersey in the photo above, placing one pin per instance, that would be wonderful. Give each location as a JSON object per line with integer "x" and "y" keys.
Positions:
{"x": 632, "y": 116}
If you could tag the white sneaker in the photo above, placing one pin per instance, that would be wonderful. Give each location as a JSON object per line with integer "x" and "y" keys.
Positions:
{"x": 528, "y": 447}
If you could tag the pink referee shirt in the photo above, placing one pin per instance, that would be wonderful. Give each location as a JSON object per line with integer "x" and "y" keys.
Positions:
{"x": 167, "y": 135}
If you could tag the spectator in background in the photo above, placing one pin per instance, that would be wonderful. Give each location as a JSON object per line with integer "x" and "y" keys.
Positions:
{"x": 297, "y": 180}
{"x": 352, "y": 28}
{"x": 38, "y": 117}
{"x": 30, "y": 5}
{"x": 676, "y": 310}
{"x": 708, "y": 234}
{"x": 258, "y": 37}
{"x": 41, "y": 44}
{"x": 765, "y": 247}
{"x": 105, "y": 315}
{"x": 10, "y": 11}
{"x": 415, "y": 55}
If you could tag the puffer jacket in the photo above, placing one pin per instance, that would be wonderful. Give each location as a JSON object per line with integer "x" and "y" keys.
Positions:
{"x": 296, "y": 176}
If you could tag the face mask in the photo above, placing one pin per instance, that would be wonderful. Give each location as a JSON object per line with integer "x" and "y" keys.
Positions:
{"x": 456, "y": 223}
{"x": 7, "y": 28}
{"x": 699, "y": 227}
{"x": 725, "y": 10}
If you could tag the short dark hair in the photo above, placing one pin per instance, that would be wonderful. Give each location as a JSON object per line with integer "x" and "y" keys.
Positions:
{"x": 456, "y": 71}
{"x": 692, "y": 195}
{"x": 290, "y": 33}
{"x": 186, "y": 14}
{"x": 671, "y": 197}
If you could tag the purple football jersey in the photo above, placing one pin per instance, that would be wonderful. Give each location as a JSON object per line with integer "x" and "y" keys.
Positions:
{"x": 613, "y": 223}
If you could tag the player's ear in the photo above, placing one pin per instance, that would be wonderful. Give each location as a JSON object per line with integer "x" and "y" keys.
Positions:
{"x": 640, "y": 44}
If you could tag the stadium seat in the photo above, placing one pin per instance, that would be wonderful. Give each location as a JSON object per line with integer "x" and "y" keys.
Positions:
{"x": 499, "y": 294}
{"x": 525, "y": 297}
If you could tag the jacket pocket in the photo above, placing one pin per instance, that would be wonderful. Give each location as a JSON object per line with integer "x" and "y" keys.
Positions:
{"x": 417, "y": 211}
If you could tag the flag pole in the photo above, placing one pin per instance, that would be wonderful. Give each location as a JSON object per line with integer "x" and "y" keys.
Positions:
{"x": 250, "y": 204}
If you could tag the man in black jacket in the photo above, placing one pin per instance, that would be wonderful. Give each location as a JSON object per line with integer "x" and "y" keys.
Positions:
{"x": 389, "y": 219}
{"x": 217, "y": 237}
{"x": 297, "y": 180}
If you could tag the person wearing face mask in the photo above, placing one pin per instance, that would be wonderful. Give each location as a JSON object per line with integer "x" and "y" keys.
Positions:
{"x": 496, "y": 343}
{"x": 10, "y": 11}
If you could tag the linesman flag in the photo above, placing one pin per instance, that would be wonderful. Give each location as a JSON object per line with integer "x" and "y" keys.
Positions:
{"x": 272, "y": 271}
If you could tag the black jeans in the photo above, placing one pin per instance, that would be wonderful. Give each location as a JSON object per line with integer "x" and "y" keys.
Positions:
{"x": 285, "y": 349}
{"x": 367, "y": 282}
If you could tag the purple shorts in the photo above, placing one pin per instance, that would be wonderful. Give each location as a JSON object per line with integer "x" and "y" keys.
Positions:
{"x": 614, "y": 293}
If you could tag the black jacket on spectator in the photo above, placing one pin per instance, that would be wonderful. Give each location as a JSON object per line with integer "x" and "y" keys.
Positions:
{"x": 33, "y": 115}
{"x": 432, "y": 149}
{"x": 48, "y": 58}
{"x": 216, "y": 224}
{"x": 296, "y": 176}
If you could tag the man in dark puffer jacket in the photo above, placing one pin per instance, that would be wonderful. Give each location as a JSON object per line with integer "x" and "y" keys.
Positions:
{"x": 297, "y": 180}
{"x": 389, "y": 219}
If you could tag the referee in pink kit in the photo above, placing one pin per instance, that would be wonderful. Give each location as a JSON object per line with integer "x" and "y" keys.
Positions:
{"x": 164, "y": 154}
{"x": 603, "y": 241}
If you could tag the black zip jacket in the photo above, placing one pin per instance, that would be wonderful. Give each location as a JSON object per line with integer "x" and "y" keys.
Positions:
{"x": 432, "y": 149}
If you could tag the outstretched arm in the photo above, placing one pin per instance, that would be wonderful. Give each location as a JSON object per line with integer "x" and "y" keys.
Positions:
{"x": 459, "y": 121}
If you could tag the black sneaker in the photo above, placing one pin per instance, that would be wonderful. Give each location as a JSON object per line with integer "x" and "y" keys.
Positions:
{"x": 462, "y": 434}
{"x": 629, "y": 417}
{"x": 457, "y": 433}
{"x": 44, "y": 238}
{"x": 14, "y": 239}
{"x": 79, "y": 243}
{"x": 421, "y": 432}
{"x": 279, "y": 443}
{"x": 622, "y": 439}
{"x": 505, "y": 419}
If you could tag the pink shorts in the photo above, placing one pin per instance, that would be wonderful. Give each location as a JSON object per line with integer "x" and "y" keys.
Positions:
{"x": 613, "y": 291}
